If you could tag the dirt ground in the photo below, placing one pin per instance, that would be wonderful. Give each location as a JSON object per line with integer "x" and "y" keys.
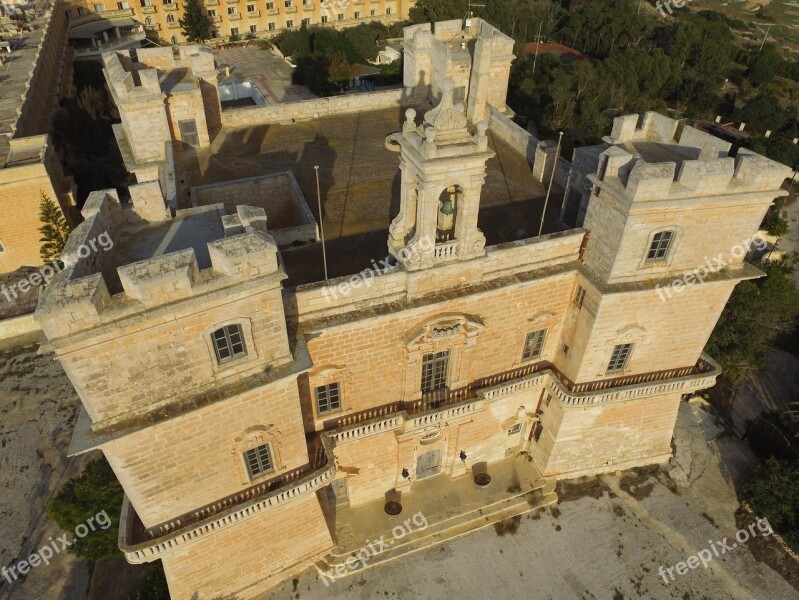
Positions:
{"x": 38, "y": 409}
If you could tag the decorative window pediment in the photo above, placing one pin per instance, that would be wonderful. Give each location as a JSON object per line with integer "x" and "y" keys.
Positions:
{"x": 449, "y": 328}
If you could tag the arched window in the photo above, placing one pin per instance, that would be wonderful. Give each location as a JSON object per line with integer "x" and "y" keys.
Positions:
{"x": 175, "y": 39}
{"x": 148, "y": 21}
{"x": 228, "y": 341}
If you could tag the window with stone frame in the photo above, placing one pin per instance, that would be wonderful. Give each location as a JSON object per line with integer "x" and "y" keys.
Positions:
{"x": 228, "y": 343}
{"x": 328, "y": 398}
{"x": 258, "y": 461}
{"x": 289, "y": 24}
{"x": 579, "y": 296}
{"x": 659, "y": 247}
{"x": 619, "y": 357}
{"x": 534, "y": 344}
{"x": 435, "y": 368}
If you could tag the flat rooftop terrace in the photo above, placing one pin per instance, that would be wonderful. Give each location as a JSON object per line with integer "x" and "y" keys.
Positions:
{"x": 193, "y": 228}
{"x": 360, "y": 185}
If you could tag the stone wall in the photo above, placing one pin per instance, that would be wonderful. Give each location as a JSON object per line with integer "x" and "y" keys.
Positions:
{"x": 304, "y": 110}
{"x": 579, "y": 441}
{"x": 260, "y": 552}
{"x": 290, "y": 218}
{"x": 374, "y": 288}
{"x": 21, "y": 187}
{"x": 526, "y": 144}
{"x": 18, "y": 326}
{"x": 164, "y": 474}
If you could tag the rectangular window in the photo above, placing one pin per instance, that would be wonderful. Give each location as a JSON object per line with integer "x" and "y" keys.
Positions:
{"x": 357, "y": 15}
{"x": 306, "y": 21}
{"x": 434, "y": 371}
{"x": 659, "y": 246}
{"x": 231, "y": 10}
{"x": 146, "y": 2}
{"x": 123, "y": 5}
{"x": 251, "y": 8}
{"x": 270, "y": 26}
{"x": 515, "y": 429}
{"x": 579, "y": 296}
{"x": 534, "y": 344}
{"x": 388, "y": 10}
{"x": 289, "y": 23}
{"x": 228, "y": 343}
{"x": 328, "y": 398}
{"x": 81, "y": 11}
{"x": 270, "y": 6}
{"x": 258, "y": 461}
{"x": 212, "y": 13}
{"x": 253, "y": 28}
{"x": 169, "y": 1}
{"x": 214, "y": 33}
{"x": 288, "y": 3}
{"x": 324, "y": 18}
{"x": 372, "y": 12}
{"x": 340, "y": 16}
{"x": 618, "y": 360}
{"x": 69, "y": 14}
{"x": 234, "y": 31}
{"x": 99, "y": 8}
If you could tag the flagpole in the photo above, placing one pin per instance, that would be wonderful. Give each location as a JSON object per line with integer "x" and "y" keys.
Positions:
{"x": 551, "y": 179}
{"x": 321, "y": 221}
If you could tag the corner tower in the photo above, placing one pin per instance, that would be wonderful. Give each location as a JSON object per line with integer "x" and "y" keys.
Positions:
{"x": 443, "y": 166}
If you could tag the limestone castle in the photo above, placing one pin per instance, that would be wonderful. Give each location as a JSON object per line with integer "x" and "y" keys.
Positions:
{"x": 260, "y": 427}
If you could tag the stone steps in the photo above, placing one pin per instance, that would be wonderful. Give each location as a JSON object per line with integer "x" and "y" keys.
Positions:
{"x": 540, "y": 496}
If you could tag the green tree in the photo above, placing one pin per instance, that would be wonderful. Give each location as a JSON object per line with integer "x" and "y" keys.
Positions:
{"x": 764, "y": 65}
{"x": 764, "y": 113}
{"x": 363, "y": 39}
{"x": 772, "y": 222}
{"x": 196, "y": 24}
{"x": 55, "y": 229}
{"x": 303, "y": 42}
{"x": 93, "y": 492}
{"x": 773, "y": 493}
{"x": 757, "y": 312}
{"x": 155, "y": 587}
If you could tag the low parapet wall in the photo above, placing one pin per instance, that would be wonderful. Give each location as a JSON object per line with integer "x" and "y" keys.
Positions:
{"x": 526, "y": 144}
{"x": 312, "y": 109}
{"x": 372, "y": 287}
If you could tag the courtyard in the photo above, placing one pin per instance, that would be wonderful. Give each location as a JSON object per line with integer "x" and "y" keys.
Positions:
{"x": 359, "y": 185}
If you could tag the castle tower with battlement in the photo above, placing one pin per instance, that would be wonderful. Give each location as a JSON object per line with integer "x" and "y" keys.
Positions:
{"x": 260, "y": 429}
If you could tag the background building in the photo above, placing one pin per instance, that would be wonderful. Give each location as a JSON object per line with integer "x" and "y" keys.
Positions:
{"x": 243, "y": 17}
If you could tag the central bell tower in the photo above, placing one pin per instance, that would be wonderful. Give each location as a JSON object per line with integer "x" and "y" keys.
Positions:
{"x": 443, "y": 166}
